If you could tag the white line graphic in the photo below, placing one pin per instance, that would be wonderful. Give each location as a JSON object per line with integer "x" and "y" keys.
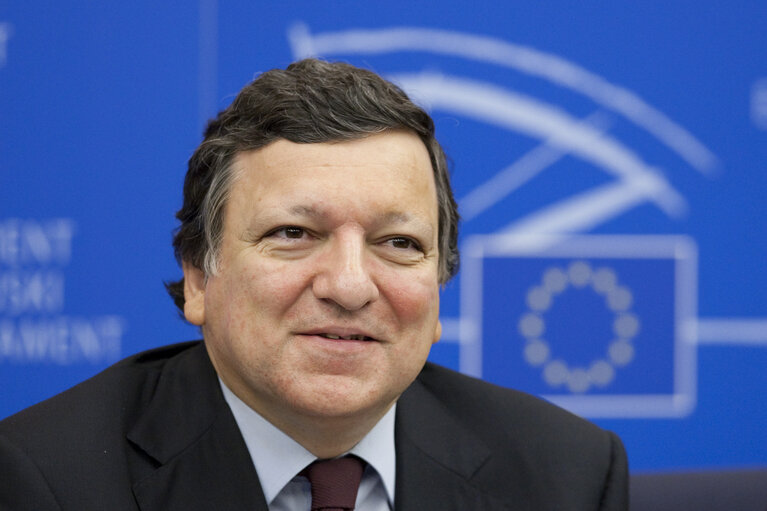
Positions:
{"x": 759, "y": 103}
{"x": 532, "y": 163}
{"x": 733, "y": 331}
{"x": 451, "y": 330}
{"x": 522, "y": 58}
{"x": 511, "y": 110}
{"x": 585, "y": 210}
{"x": 6, "y": 30}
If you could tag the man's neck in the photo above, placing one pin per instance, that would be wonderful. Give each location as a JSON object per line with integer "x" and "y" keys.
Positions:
{"x": 278, "y": 457}
{"x": 328, "y": 437}
{"x": 325, "y": 436}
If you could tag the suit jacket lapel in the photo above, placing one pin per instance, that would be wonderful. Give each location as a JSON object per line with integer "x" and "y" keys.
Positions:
{"x": 198, "y": 459}
{"x": 436, "y": 457}
{"x": 190, "y": 454}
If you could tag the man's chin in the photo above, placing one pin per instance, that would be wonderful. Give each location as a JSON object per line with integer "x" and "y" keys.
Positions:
{"x": 342, "y": 401}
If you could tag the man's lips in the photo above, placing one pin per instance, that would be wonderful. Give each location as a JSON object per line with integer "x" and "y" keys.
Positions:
{"x": 347, "y": 338}
{"x": 341, "y": 334}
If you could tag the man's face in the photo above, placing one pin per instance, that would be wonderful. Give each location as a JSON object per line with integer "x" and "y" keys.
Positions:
{"x": 326, "y": 299}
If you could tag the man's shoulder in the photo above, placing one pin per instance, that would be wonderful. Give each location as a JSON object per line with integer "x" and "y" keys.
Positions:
{"x": 513, "y": 449}
{"x": 92, "y": 443}
{"x": 110, "y": 396}
{"x": 489, "y": 409}
{"x": 469, "y": 392}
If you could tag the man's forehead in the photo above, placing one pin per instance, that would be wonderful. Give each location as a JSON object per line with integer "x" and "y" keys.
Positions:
{"x": 397, "y": 158}
{"x": 397, "y": 141}
{"x": 363, "y": 181}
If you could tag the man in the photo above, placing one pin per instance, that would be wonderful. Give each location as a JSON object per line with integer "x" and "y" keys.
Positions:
{"x": 317, "y": 226}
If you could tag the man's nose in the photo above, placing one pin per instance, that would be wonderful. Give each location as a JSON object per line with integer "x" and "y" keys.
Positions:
{"x": 344, "y": 277}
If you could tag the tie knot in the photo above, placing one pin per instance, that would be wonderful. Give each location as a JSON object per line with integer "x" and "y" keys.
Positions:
{"x": 335, "y": 483}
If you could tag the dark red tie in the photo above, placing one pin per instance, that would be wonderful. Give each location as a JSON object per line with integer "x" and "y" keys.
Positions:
{"x": 335, "y": 483}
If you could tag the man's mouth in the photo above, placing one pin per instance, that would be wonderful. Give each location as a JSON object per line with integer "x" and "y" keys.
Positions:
{"x": 346, "y": 337}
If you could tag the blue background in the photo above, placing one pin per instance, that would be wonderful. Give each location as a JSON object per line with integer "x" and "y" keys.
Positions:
{"x": 101, "y": 104}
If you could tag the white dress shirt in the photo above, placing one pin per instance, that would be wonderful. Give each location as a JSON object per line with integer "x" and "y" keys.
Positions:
{"x": 278, "y": 460}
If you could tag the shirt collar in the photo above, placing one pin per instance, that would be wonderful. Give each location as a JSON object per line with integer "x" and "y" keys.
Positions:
{"x": 278, "y": 458}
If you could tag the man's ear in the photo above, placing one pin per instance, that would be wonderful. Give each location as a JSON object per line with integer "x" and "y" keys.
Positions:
{"x": 437, "y": 332}
{"x": 194, "y": 294}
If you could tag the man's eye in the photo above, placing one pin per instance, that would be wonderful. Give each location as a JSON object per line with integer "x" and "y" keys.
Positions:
{"x": 290, "y": 232}
{"x": 403, "y": 243}
{"x": 293, "y": 232}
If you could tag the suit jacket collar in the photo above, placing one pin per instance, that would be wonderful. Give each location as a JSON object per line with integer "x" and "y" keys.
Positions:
{"x": 199, "y": 460}
{"x": 193, "y": 456}
{"x": 437, "y": 457}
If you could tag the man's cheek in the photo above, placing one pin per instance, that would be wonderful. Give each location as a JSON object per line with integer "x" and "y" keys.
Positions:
{"x": 280, "y": 279}
{"x": 415, "y": 298}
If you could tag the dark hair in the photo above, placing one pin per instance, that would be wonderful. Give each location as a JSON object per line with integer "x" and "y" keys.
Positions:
{"x": 309, "y": 102}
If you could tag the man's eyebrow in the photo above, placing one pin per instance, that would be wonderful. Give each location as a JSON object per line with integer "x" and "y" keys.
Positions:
{"x": 389, "y": 218}
{"x": 425, "y": 229}
{"x": 396, "y": 217}
{"x": 300, "y": 210}
{"x": 278, "y": 216}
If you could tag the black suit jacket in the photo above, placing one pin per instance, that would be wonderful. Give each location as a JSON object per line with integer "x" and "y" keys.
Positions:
{"x": 154, "y": 433}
